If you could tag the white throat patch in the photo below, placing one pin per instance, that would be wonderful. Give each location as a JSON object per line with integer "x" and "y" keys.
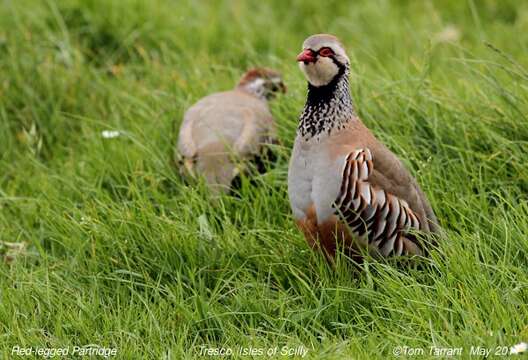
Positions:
{"x": 321, "y": 72}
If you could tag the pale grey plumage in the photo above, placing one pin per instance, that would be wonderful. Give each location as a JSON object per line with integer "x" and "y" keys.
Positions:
{"x": 225, "y": 129}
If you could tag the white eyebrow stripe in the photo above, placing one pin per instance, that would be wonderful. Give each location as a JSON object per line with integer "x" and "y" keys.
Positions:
{"x": 322, "y": 45}
{"x": 257, "y": 83}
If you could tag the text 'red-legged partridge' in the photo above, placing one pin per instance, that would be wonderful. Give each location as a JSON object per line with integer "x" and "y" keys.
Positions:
{"x": 345, "y": 187}
{"x": 226, "y": 128}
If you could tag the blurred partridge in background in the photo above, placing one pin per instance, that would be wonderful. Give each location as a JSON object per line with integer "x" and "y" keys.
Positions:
{"x": 223, "y": 131}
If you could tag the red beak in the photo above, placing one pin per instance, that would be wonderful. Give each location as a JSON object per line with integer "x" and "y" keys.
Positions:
{"x": 306, "y": 56}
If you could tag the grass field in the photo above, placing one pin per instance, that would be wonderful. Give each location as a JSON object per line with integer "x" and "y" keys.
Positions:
{"x": 121, "y": 253}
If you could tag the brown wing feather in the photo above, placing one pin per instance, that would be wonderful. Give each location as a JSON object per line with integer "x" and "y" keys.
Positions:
{"x": 388, "y": 172}
{"x": 391, "y": 175}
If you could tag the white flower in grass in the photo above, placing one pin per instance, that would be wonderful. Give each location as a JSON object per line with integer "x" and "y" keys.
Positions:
{"x": 449, "y": 34}
{"x": 519, "y": 348}
{"x": 110, "y": 134}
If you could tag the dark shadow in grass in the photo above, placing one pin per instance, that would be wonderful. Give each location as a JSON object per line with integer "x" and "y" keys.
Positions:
{"x": 100, "y": 42}
{"x": 259, "y": 164}
{"x": 358, "y": 261}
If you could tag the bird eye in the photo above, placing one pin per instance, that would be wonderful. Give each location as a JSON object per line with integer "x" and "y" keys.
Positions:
{"x": 326, "y": 52}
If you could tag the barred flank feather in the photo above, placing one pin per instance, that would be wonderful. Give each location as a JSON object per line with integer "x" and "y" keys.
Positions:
{"x": 372, "y": 213}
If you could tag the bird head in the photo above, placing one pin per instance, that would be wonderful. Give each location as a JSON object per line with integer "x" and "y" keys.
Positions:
{"x": 323, "y": 57}
{"x": 263, "y": 82}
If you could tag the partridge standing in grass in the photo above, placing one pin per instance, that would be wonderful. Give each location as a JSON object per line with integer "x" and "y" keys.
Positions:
{"x": 345, "y": 187}
{"x": 225, "y": 129}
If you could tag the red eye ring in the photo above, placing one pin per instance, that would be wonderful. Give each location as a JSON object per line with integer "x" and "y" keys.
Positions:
{"x": 326, "y": 52}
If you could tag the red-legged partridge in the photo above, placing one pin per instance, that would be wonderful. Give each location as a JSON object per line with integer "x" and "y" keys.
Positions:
{"x": 345, "y": 187}
{"x": 226, "y": 128}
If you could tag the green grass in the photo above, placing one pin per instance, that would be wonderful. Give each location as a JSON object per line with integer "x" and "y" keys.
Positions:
{"x": 121, "y": 253}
